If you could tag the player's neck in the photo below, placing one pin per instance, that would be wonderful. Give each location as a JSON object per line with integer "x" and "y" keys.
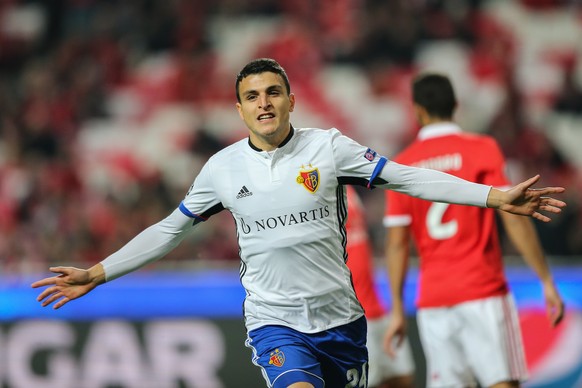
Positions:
{"x": 435, "y": 120}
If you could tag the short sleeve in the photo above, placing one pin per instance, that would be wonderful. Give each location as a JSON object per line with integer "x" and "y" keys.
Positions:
{"x": 201, "y": 200}
{"x": 397, "y": 211}
{"x": 353, "y": 160}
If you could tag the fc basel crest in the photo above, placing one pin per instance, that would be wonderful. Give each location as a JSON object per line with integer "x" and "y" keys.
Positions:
{"x": 309, "y": 178}
{"x": 277, "y": 358}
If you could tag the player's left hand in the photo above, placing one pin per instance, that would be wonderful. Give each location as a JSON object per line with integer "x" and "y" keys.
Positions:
{"x": 524, "y": 200}
{"x": 395, "y": 333}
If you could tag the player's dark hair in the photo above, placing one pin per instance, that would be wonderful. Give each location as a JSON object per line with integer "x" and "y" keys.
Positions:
{"x": 434, "y": 92}
{"x": 258, "y": 66}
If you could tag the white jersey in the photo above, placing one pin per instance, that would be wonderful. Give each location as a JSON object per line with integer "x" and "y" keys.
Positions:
{"x": 289, "y": 207}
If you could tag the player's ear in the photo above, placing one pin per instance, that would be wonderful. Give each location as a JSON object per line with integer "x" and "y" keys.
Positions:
{"x": 239, "y": 109}
{"x": 421, "y": 114}
{"x": 292, "y": 102}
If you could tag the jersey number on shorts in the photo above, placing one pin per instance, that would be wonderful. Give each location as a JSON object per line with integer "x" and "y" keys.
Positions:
{"x": 354, "y": 379}
{"x": 437, "y": 229}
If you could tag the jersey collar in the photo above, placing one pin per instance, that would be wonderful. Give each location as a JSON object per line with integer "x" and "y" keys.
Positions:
{"x": 285, "y": 141}
{"x": 438, "y": 129}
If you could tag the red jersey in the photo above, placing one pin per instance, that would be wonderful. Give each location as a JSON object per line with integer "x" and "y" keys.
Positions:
{"x": 460, "y": 255}
{"x": 360, "y": 257}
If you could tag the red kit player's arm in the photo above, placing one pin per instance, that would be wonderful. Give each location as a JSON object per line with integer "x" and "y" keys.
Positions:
{"x": 522, "y": 234}
{"x": 397, "y": 253}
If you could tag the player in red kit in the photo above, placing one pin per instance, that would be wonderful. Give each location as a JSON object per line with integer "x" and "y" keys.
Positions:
{"x": 467, "y": 318}
{"x": 384, "y": 371}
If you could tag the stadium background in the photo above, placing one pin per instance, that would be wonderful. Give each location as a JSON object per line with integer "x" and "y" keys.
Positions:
{"x": 109, "y": 108}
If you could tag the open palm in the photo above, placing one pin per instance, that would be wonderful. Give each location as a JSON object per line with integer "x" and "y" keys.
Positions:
{"x": 71, "y": 283}
{"x": 524, "y": 200}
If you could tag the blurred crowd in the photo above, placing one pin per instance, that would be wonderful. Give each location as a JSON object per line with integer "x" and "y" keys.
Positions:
{"x": 109, "y": 108}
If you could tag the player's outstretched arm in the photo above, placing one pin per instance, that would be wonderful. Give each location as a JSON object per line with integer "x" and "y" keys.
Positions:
{"x": 151, "y": 244}
{"x": 524, "y": 200}
{"x": 71, "y": 283}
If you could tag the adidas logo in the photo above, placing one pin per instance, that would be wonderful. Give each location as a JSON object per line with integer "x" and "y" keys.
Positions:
{"x": 244, "y": 192}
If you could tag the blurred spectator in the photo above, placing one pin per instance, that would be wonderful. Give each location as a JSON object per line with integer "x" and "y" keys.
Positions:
{"x": 391, "y": 34}
{"x": 569, "y": 99}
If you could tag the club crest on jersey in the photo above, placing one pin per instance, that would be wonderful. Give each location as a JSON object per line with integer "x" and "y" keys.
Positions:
{"x": 277, "y": 358}
{"x": 309, "y": 178}
{"x": 370, "y": 154}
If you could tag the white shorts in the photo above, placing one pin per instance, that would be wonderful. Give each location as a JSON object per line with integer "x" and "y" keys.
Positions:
{"x": 473, "y": 341}
{"x": 381, "y": 365}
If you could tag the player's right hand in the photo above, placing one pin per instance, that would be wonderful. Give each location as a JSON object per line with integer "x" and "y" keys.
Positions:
{"x": 71, "y": 283}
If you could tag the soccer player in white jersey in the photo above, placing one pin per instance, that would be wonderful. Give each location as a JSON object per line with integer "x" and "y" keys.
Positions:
{"x": 467, "y": 319}
{"x": 285, "y": 190}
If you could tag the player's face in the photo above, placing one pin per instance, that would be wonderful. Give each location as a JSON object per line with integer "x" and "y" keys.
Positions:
{"x": 265, "y": 108}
